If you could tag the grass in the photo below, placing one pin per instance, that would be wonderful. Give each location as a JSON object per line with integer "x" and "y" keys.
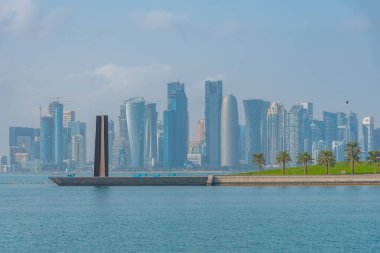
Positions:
{"x": 340, "y": 168}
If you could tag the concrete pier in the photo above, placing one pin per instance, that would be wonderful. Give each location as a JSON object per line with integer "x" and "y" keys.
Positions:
{"x": 215, "y": 180}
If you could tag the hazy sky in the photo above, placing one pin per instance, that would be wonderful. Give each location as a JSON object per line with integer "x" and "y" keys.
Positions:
{"x": 95, "y": 54}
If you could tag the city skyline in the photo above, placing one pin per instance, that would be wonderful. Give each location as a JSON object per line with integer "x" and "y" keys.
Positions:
{"x": 145, "y": 142}
{"x": 265, "y": 53}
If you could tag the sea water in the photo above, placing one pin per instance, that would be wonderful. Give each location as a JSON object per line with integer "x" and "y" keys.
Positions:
{"x": 48, "y": 218}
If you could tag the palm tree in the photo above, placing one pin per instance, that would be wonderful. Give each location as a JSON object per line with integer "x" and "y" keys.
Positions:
{"x": 326, "y": 158}
{"x": 304, "y": 158}
{"x": 283, "y": 157}
{"x": 373, "y": 158}
{"x": 259, "y": 160}
{"x": 352, "y": 154}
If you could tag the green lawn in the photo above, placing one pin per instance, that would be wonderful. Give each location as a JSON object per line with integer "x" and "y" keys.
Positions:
{"x": 340, "y": 168}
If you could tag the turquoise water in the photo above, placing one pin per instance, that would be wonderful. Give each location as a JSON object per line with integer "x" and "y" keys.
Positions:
{"x": 49, "y": 218}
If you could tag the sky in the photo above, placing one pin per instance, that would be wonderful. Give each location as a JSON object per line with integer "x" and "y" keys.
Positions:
{"x": 96, "y": 54}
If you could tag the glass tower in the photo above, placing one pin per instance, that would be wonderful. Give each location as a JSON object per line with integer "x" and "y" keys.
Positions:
{"x": 213, "y": 107}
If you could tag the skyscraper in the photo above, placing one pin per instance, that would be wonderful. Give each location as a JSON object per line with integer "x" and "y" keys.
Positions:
{"x": 78, "y": 150}
{"x": 229, "y": 132}
{"x": 306, "y": 125}
{"x": 68, "y": 116}
{"x": 111, "y": 139}
{"x": 368, "y": 128}
{"x": 275, "y": 131}
{"x": 213, "y": 107}
{"x": 296, "y": 139}
{"x": 77, "y": 131}
{"x": 352, "y": 127}
{"x": 256, "y": 120}
{"x": 317, "y": 130}
{"x": 135, "y": 109}
{"x": 150, "y": 135}
{"x": 201, "y": 135}
{"x": 331, "y": 128}
{"x": 21, "y": 140}
{"x": 56, "y": 110}
{"x": 376, "y": 137}
{"x": 121, "y": 155}
{"x": 176, "y": 126}
{"x": 47, "y": 135}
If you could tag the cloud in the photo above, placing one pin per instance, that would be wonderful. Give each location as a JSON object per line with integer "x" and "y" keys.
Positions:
{"x": 24, "y": 16}
{"x": 157, "y": 19}
{"x": 16, "y": 15}
{"x": 138, "y": 77}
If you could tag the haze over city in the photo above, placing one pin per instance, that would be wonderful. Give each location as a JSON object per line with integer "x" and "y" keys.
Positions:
{"x": 95, "y": 55}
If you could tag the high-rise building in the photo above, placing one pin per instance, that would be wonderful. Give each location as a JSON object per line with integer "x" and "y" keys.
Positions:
{"x": 78, "y": 151}
{"x": 331, "y": 128}
{"x": 368, "y": 128}
{"x": 160, "y": 143}
{"x": 135, "y": 109}
{"x": 242, "y": 143}
{"x": 56, "y": 110}
{"x": 150, "y": 135}
{"x": 121, "y": 155}
{"x": 111, "y": 139}
{"x": 317, "y": 130}
{"x": 77, "y": 128}
{"x": 21, "y": 140}
{"x": 306, "y": 125}
{"x": 68, "y": 116}
{"x": 176, "y": 126}
{"x": 213, "y": 107}
{"x": 317, "y": 147}
{"x": 275, "y": 131}
{"x": 376, "y": 138}
{"x": 47, "y": 136}
{"x": 296, "y": 138}
{"x": 229, "y": 132}
{"x": 256, "y": 127}
{"x": 201, "y": 134}
{"x": 352, "y": 127}
{"x": 338, "y": 147}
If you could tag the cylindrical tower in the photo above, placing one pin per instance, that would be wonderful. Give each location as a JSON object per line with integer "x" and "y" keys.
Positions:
{"x": 229, "y": 132}
{"x": 135, "y": 108}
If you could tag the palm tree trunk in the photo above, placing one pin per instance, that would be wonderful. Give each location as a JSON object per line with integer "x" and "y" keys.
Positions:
{"x": 283, "y": 168}
{"x": 327, "y": 168}
{"x": 305, "y": 168}
{"x": 374, "y": 168}
{"x": 352, "y": 166}
{"x": 259, "y": 170}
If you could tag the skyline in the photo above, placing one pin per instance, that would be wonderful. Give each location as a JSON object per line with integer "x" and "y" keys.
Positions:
{"x": 250, "y": 46}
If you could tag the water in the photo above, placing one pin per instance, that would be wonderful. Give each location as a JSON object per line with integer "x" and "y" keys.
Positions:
{"x": 49, "y": 218}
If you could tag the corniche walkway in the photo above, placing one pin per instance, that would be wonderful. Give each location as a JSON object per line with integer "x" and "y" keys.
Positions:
{"x": 222, "y": 180}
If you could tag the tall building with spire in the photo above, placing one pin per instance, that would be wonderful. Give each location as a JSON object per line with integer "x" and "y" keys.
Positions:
{"x": 56, "y": 110}
{"x": 176, "y": 126}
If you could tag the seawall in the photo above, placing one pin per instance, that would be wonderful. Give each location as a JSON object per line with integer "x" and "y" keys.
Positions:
{"x": 215, "y": 180}
{"x": 365, "y": 179}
